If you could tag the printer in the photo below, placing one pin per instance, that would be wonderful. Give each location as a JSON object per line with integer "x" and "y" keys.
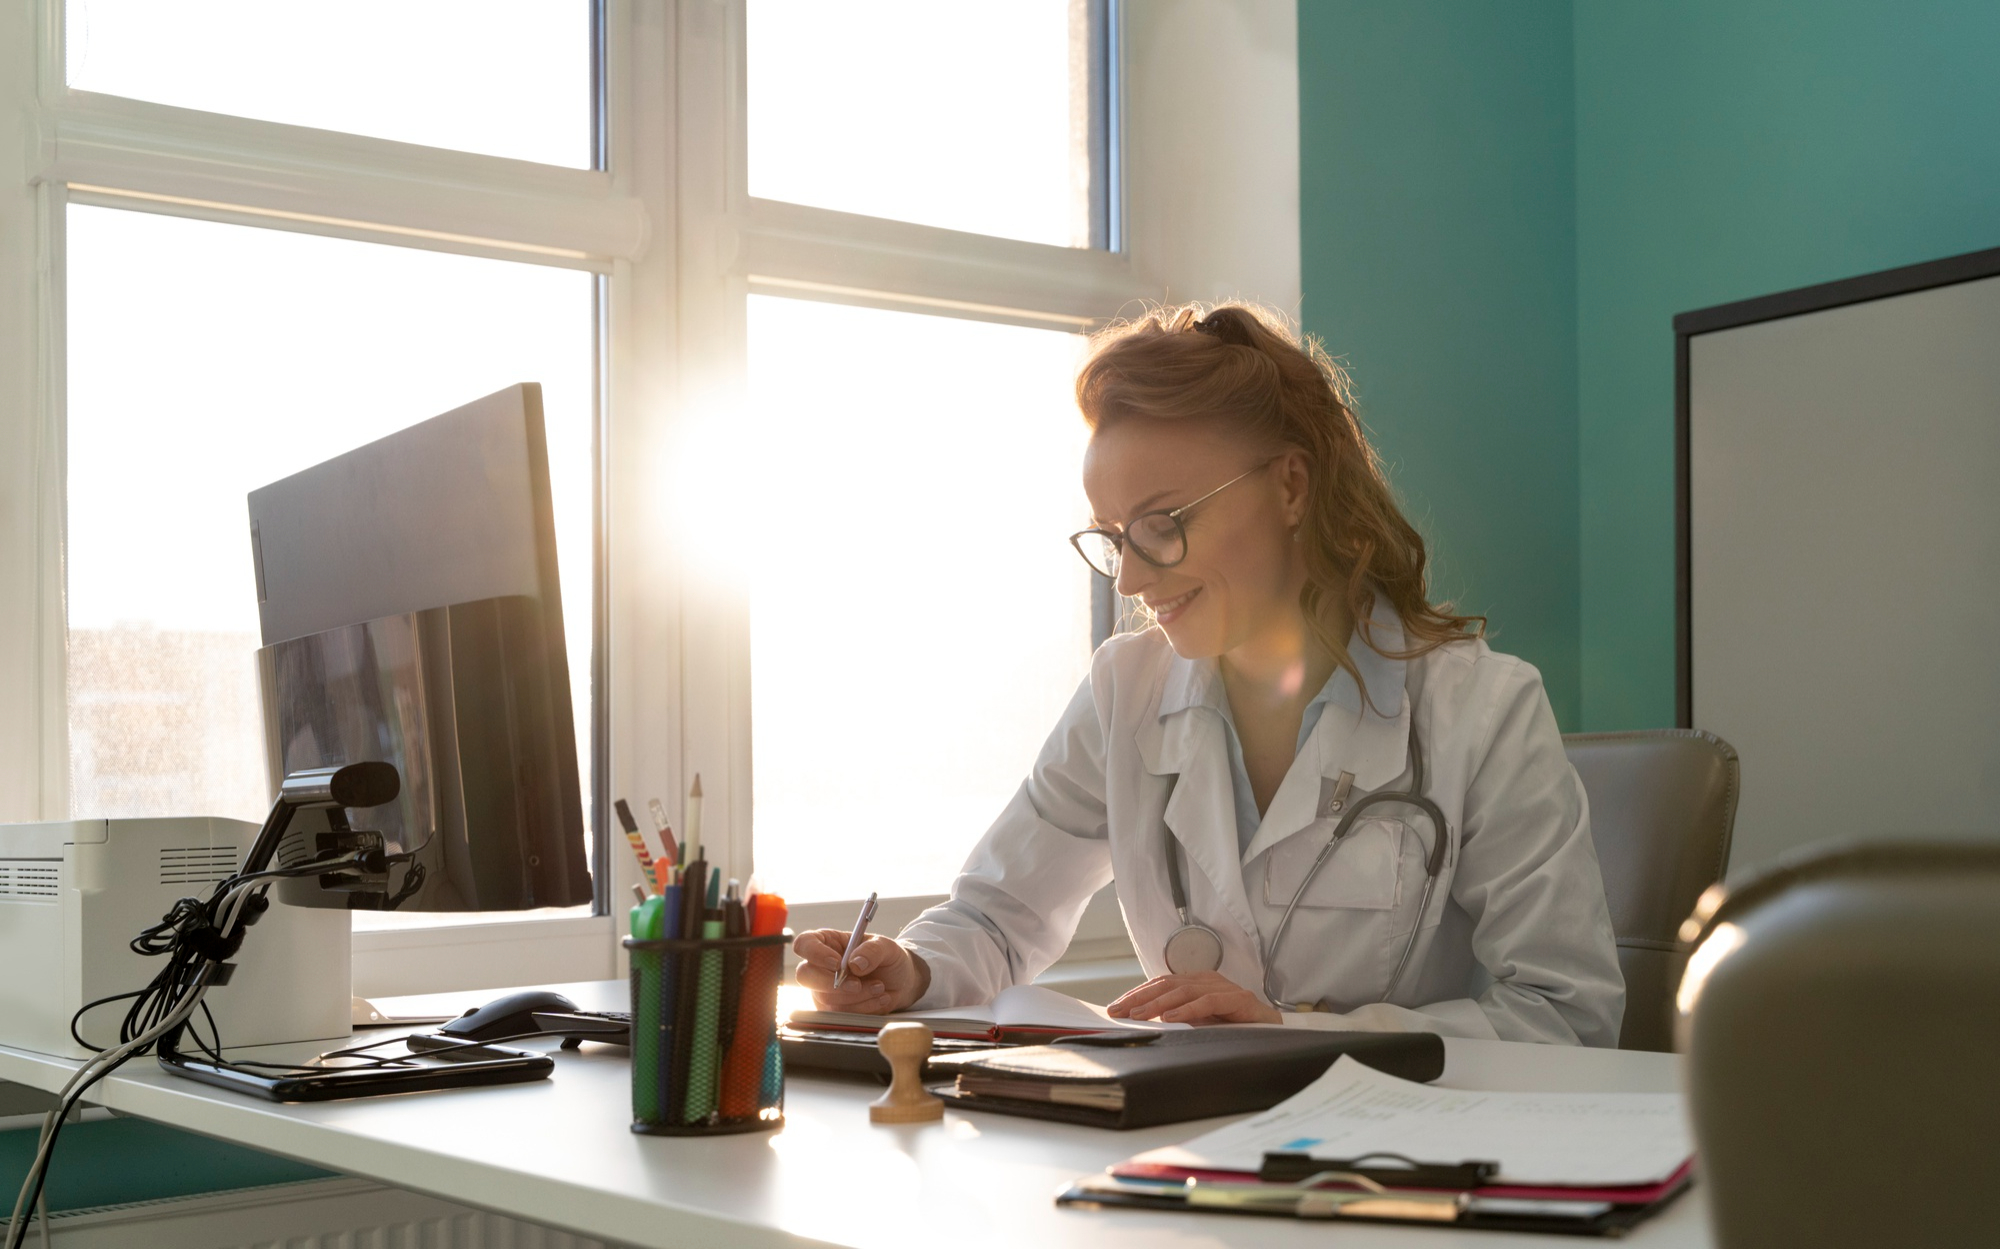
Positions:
{"x": 73, "y": 894}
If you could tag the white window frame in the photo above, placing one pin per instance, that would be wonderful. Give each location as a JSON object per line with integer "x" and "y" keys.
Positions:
{"x": 1185, "y": 229}
{"x": 680, "y": 244}
{"x": 109, "y": 151}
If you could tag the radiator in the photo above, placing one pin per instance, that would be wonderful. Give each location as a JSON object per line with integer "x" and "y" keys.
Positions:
{"x": 317, "y": 1214}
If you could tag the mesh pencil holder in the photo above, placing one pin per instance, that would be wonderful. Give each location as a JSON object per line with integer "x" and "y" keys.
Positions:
{"x": 705, "y": 1035}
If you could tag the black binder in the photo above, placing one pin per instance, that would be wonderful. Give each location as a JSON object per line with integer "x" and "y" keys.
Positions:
{"x": 1126, "y": 1080}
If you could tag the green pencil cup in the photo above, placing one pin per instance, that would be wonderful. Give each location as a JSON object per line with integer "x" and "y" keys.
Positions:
{"x": 705, "y": 1058}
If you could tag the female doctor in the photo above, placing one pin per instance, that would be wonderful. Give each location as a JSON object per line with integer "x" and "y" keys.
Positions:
{"x": 1324, "y": 801}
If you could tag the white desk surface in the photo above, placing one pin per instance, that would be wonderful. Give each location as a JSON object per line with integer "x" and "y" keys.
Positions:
{"x": 558, "y": 1152}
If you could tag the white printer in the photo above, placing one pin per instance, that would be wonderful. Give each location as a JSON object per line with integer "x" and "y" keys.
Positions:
{"x": 74, "y": 893}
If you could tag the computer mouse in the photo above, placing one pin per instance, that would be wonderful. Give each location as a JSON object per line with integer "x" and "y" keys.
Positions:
{"x": 513, "y": 1015}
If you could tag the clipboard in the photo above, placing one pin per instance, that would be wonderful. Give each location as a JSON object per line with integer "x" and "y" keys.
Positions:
{"x": 1365, "y": 1201}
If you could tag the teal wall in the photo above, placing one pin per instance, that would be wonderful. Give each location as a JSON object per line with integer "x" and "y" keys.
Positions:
{"x": 1438, "y": 254}
{"x": 114, "y": 1161}
{"x": 1731, "y": 148}
{"x": 1493, "y": 193}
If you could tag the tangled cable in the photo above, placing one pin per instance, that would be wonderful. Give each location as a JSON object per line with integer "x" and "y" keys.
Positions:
{"x": 197, "y": 938}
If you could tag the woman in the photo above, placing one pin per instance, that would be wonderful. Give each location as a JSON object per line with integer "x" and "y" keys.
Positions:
{"x": 1324, "y": 801}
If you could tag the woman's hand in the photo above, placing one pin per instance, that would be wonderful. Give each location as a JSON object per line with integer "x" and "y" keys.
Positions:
{"x": 883, "y": 976}
{"x": 1203, "y": 997}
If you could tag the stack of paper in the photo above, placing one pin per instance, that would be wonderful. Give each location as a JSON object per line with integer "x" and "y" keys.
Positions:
{"x": 1574, "y": 1163}
{"x": 1540, "y": 1140}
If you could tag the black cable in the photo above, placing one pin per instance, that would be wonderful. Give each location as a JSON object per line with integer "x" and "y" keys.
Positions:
{"x": 77, "y": 1019}
{"x": 19, "y": 1234}
{"x": 193, "y": 935}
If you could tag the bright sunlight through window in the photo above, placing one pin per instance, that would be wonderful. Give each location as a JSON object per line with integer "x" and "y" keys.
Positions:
{"x": 972, "y": 117}
{"x": 501, "y": 77}
{"x": 206, "y": 360}
{"x": 918, "y": 620}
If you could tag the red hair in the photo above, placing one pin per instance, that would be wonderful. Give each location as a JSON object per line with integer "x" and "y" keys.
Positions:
{"x": 1242, "y": 368}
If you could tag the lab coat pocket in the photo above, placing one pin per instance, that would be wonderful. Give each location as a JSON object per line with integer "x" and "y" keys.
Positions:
{"x": 1364, "y": 873}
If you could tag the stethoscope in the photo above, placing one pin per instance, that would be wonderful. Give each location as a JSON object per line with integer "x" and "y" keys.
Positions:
{"x": 1195, "y": 947}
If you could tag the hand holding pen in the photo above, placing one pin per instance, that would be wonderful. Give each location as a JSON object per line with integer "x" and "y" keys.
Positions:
{"x": 853, "y": 971}
{"x": 854, "y": 940}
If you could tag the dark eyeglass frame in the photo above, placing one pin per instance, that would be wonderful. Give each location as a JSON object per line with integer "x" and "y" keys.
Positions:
{"x": 1117, "y": 539}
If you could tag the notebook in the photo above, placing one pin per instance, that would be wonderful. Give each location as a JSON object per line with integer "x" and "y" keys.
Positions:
{"x": 1138, "y": 1080}
{"x": 1022, "y": 1012}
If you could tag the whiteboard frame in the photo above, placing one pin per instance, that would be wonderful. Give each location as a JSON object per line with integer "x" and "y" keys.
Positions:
{"x": 1930, "y": 275}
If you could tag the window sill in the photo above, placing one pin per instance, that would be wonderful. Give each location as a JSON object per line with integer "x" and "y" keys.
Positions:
{"x": 1096, "y": 980}
{"x": 395, "y": 962}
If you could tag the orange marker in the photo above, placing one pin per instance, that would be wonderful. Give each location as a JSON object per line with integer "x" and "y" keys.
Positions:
{"x": 743, "y": 1067}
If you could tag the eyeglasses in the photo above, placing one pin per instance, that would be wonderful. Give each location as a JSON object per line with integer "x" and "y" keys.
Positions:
{"x": 1159, "y": 537}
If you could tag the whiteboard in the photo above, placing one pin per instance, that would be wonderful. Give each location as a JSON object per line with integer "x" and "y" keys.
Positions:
{"x": 1843, "y": 531}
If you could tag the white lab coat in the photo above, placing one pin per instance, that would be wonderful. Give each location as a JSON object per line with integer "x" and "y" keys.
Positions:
{"x": 1515, "y": 944}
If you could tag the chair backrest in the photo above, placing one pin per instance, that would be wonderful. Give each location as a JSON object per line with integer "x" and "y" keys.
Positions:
{"x": 1662, "y": 806}
{"x": 1843, "y": 1049}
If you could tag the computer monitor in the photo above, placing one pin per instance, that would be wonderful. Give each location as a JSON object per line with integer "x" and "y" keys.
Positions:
{"x": 411, "y": 614}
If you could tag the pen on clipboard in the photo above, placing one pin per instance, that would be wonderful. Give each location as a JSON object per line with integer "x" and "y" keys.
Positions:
{"x": 854, "y": 939}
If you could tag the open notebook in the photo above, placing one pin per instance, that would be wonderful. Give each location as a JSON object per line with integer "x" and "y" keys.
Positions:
{"x": 1023, "y": 1011}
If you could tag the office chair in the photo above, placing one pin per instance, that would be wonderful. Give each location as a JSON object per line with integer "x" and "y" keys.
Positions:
{"x": 1662, "y": 807}
{"x": 1841, "y": 1018}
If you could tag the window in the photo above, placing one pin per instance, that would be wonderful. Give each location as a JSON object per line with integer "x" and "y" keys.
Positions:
{"x": 242, "y": 266}
{"x": 675, "y": 214}
{"x": 500, "y": 77}
{"x": 917, "y": 621}
{"x": 929, "y": 220}
{"x": 987, "y": 118}
{"x": 206, "y": 360}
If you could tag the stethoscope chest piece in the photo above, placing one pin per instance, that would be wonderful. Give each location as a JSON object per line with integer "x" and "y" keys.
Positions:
{"x": 1193, "y": 948}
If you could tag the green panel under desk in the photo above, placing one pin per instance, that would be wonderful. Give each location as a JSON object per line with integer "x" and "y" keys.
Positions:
{"x": 110, "y": 1162}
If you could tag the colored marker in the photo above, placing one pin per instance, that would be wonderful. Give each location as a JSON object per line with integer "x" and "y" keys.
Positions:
{"x": 645, "y": 1040}
{"x": 703, "y": 1062}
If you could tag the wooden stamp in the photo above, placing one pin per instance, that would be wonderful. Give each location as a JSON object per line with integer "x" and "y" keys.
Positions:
{"x": 905, "y": 1045}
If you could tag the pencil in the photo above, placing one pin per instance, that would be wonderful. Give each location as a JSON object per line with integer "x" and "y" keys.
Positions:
{"x": 638, "y": 843}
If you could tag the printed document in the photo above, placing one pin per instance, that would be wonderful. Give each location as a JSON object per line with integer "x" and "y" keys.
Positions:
{"x": 1555, "y": 1139}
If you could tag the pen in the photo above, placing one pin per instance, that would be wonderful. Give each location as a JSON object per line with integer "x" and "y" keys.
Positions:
{"x": 704, "y": 1062}
{"x": 631, "y": 827}
{"x": 854, "y": 939}
{"x": 687, "y": 973}
{"x": 665, "y": 1016}
{"x": 667, "y": 841}
{"x": 691, "y": 830}
{"x": 735, "y": 924}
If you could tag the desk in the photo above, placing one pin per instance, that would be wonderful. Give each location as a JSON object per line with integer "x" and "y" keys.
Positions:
{"x": 558, "y": 1153}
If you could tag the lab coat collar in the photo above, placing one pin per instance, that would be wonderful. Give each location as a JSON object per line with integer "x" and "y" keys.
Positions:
{"x": 1366, "y": 737}
{"x": 1188, "y": 745}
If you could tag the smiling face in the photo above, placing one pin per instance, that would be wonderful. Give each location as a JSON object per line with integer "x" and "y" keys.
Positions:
{"x": 1241, "y": 578}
